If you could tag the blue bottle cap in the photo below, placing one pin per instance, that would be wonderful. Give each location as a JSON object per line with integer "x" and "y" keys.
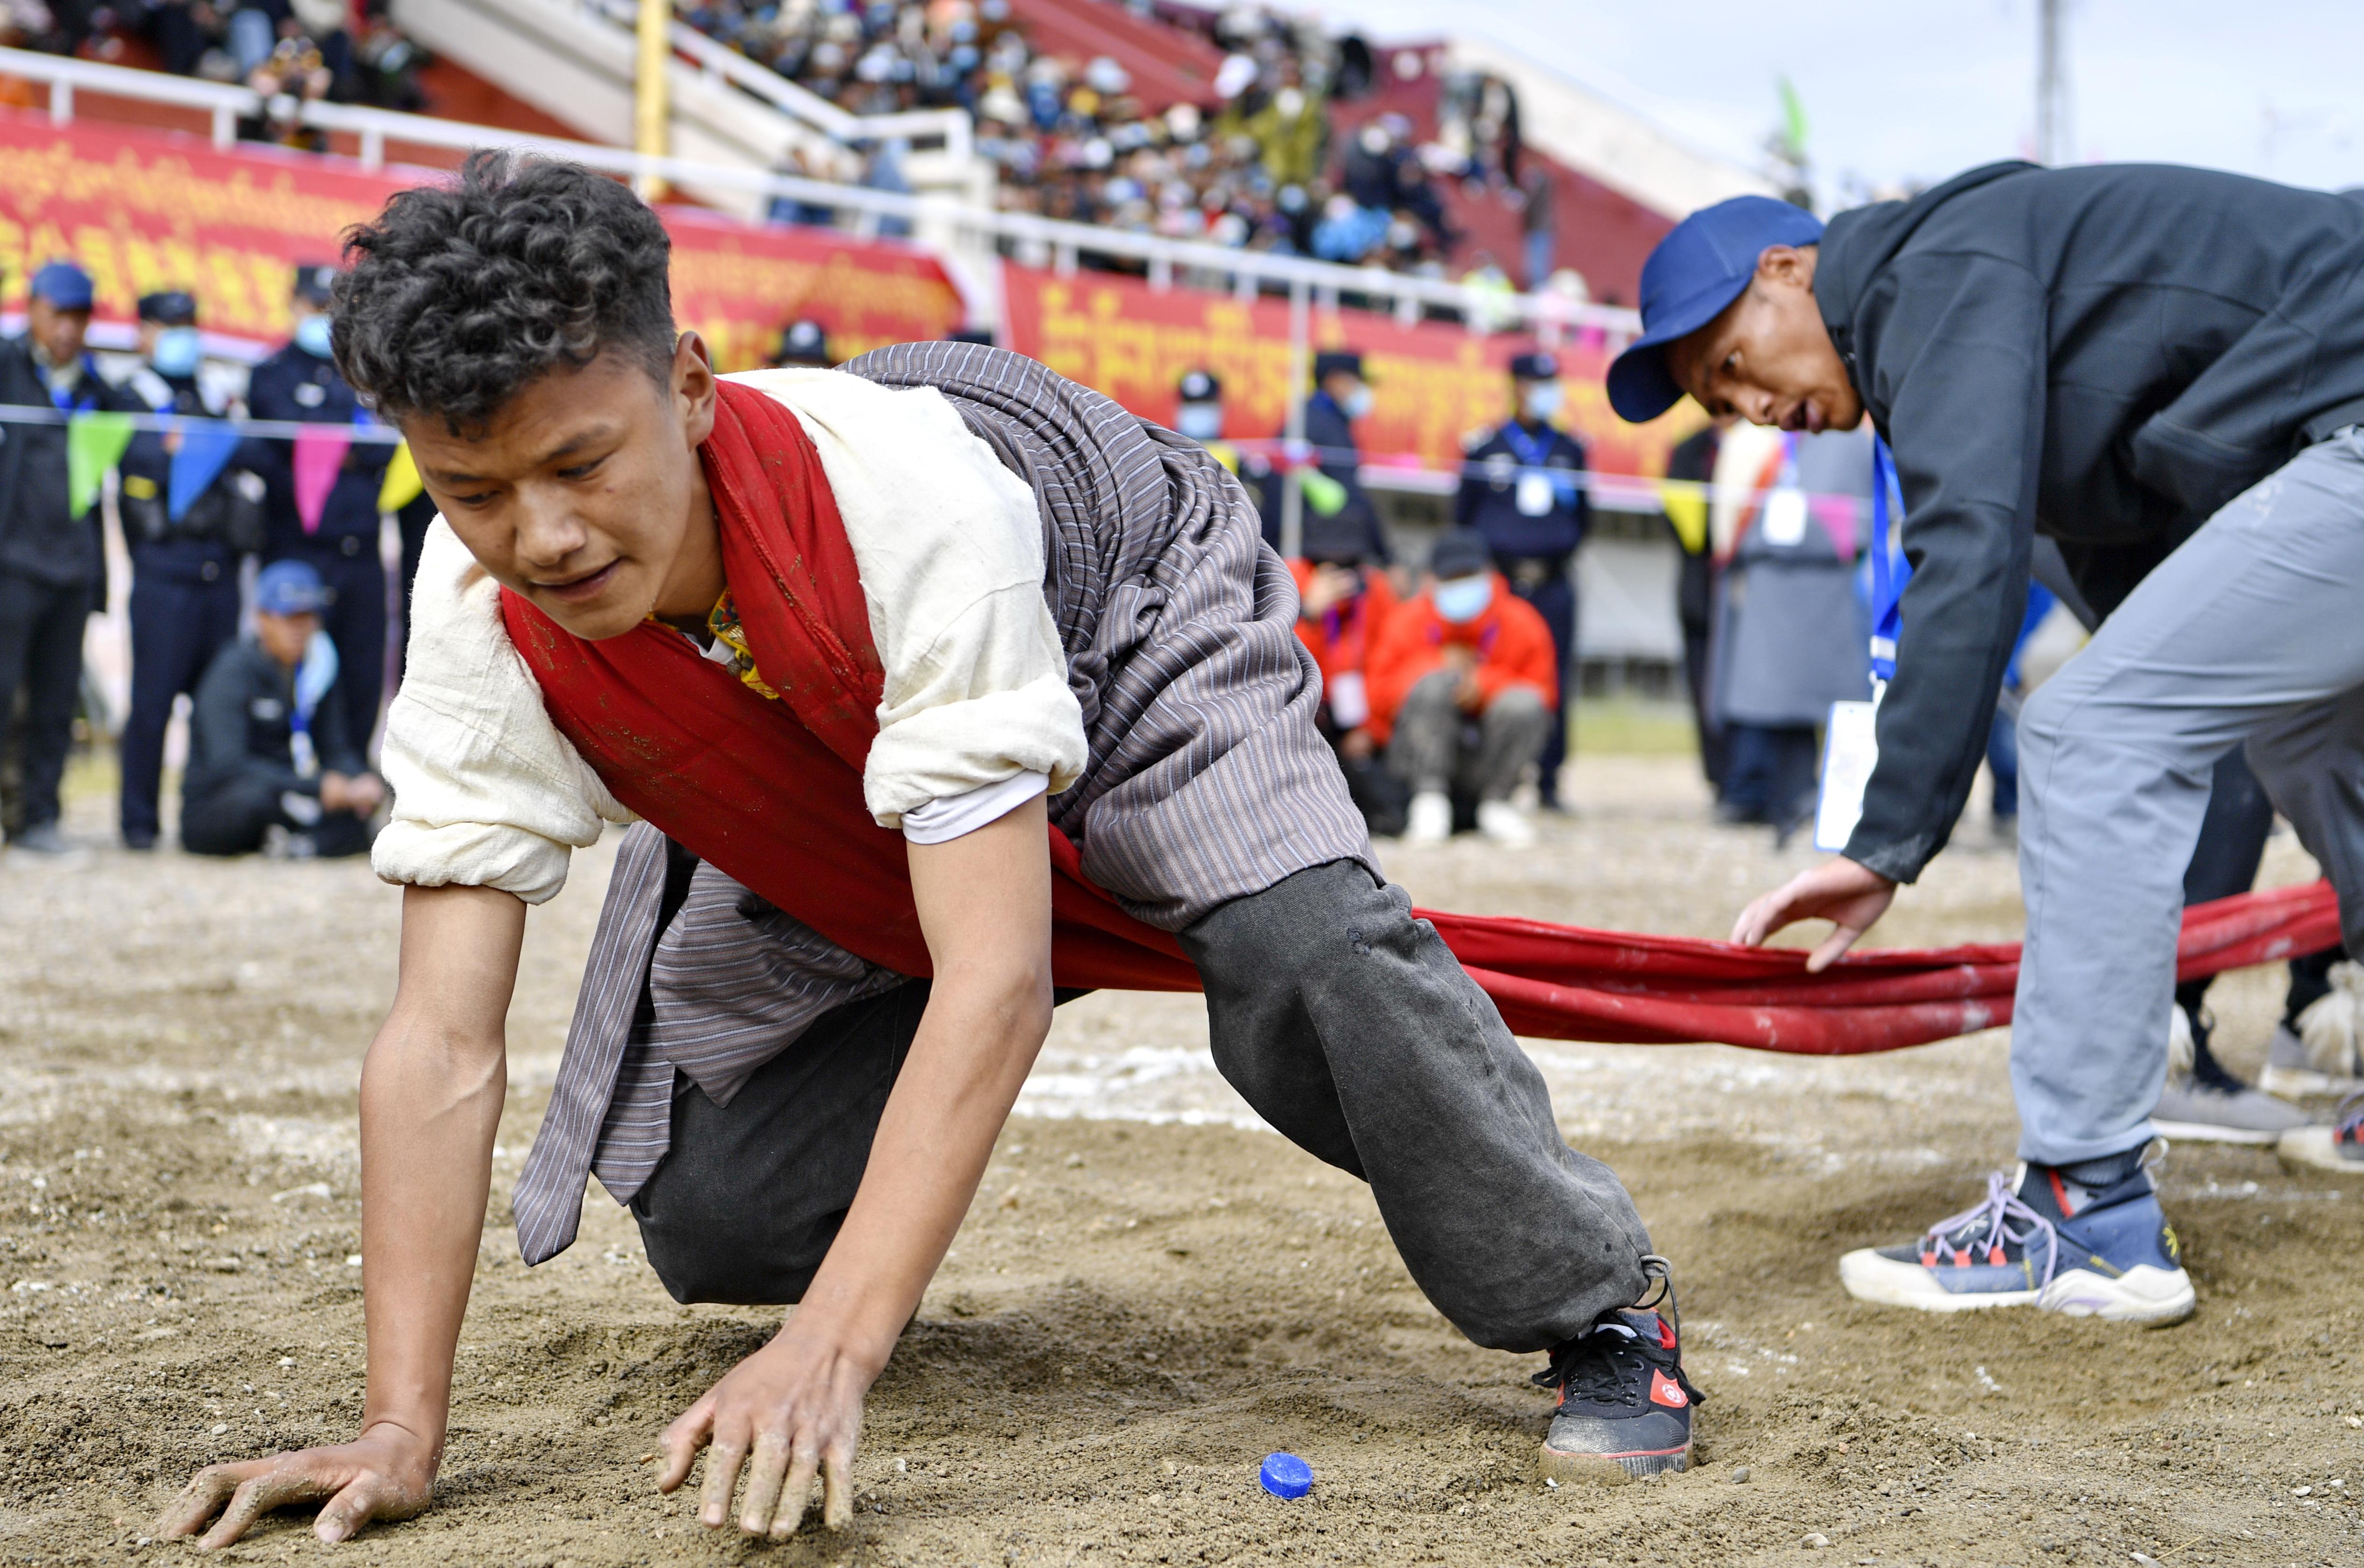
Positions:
{"x": 1286, "y": 1475}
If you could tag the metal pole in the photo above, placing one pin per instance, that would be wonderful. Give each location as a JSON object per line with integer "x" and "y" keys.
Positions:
{"x": 1300, "y": 370}
{"x": 650, "y": 116}
{"x": 2051, "y": 86}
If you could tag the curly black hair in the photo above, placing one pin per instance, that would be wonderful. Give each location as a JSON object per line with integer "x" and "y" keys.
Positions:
{"x": 461, "y": 294}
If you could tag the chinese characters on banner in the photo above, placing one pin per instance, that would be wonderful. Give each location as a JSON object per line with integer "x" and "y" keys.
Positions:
{"x": 1433, "y": 383}
{"x": 144, "y": 210}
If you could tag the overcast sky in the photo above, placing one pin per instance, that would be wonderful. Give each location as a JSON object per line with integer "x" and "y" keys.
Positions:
{"x": 1917, "y": 90}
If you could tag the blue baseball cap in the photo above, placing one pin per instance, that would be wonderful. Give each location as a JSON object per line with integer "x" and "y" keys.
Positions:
{"x": 1702, "y": 265}
{"x": 291, "y": 588}
{"x": 64, "y": 286}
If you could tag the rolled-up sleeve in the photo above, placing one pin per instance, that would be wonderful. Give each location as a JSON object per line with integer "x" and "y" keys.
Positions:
{"x": 487, "y": 792}
{"x": 949, "y": 545}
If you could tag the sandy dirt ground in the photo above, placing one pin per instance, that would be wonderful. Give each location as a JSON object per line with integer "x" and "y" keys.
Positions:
{"x": 1151, "y": 1292}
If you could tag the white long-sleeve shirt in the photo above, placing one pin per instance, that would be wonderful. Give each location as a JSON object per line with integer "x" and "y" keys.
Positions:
{"x": 949, "y": 548}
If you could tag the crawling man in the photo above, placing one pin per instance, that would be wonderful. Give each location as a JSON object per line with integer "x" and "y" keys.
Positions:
{"x": 936, "y": 682}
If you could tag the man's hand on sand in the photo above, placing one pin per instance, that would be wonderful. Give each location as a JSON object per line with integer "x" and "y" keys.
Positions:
{"x": 789, "y": 1410}
{"x": 387, "y": 1473}
{"x": 1848, "y": 895}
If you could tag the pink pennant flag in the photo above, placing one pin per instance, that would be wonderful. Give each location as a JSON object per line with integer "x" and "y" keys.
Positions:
{"x": 319, "y": 454}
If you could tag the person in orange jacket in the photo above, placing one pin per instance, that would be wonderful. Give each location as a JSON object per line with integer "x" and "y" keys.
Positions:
{"x": 1344, "y": 600}
{"x": 1463, "y": 685}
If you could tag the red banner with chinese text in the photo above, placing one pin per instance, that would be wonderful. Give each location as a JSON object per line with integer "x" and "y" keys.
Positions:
{"x": 1433, "y": 383}
{"x": 144, "y": 210}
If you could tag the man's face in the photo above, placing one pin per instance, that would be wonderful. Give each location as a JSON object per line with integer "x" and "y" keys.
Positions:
{"x": 583, "y": 492}
{"x": 58, "y": 332}
{"x": 286, "y": 637}
{"x": 1768, "y": 358}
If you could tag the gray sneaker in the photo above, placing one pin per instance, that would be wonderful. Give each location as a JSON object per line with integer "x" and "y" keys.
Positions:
{"x": 2223, "y": 1113}
{"x": 44, "y": 840}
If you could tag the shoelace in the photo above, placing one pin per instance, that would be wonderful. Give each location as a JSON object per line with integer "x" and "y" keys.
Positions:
{"x": 2001, "y": 1207}
{"x": 1590, "y": 1366}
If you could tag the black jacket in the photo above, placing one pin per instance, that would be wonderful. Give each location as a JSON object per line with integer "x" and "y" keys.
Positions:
{"x": 240, "y": 728}
{"x": 292, "y": 384}
{"x": 220, "y": 525}
{"x": 1331, "y": 436}
{"x": 1491, "y": 463}
{"x": 2104, "y": 355}
{"x": 40, "y": 535}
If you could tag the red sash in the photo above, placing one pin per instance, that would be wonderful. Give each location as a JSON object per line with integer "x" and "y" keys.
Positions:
{"x": 771, "y": 793}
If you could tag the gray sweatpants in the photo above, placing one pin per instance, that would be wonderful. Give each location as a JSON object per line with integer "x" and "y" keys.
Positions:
{"x": 2252, "y": 632}
{"x": 1434, "y": 748}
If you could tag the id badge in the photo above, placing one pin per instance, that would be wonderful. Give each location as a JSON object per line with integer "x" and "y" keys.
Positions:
{"x": 1350, "y": 702}
{"x": 1849, "y": 753}
{"x": 1785, "y": 517}
{"x": 1534, "y": 496}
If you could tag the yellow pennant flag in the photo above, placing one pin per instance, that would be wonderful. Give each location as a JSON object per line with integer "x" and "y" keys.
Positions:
{"x": 402, "y": 482}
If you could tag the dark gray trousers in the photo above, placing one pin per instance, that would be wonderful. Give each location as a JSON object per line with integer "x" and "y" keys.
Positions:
{"x": 1346, "y": 1023}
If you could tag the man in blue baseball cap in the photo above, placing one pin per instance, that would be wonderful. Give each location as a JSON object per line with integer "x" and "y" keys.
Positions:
{"x": 2163, "y": 370}
{"x": 52, "y": 570}
{"x": 273, "y": 763}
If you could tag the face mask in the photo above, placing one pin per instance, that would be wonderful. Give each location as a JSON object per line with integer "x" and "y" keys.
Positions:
{"x": 312, "y": 336}
{"x": 1358, "y": 403}
{"x": 177, "y": 351}
{"x": 1200, "y": 421}
{"x": 1543, "y": 400}
{"x": 1464, "y": 599}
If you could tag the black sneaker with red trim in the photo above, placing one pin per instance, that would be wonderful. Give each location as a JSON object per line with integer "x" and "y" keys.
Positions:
{"x": 1624, "y": 1405}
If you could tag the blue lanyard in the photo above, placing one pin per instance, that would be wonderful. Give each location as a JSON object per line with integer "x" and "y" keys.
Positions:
{"x": 77, "y": 401}
{"x": 1532, "y": 453}
{"x": 1888, "y": 578}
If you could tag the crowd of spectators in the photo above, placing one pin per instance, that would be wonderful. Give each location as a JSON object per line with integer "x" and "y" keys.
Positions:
{"x": 1263, "y": 166}
{"x": 1267, "y": 163}
{"x": 291, "y": 51}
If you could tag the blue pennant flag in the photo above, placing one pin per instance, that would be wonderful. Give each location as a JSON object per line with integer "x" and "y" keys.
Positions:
{"x": 205, "y": 451}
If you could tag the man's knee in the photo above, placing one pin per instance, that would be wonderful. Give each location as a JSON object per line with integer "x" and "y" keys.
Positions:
{"x": 1433, "y": 696}
{"x": 1519, "y": 709}
{"x": 697, "y": 1240}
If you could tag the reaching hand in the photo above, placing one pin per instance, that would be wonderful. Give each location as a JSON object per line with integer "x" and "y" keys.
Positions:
{"x": 790, "y": 1410}
{"x": 1848, "y": 895}
{"x": 387, "y": 1473}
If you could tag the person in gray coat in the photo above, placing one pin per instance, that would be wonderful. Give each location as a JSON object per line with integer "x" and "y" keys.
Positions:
{"x": 1790, "y": 631}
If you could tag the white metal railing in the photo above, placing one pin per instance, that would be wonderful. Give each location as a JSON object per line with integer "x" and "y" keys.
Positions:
{"x": 1308, "y": 284}
{"x": 1319, "y": 282}
{"x": 721, "y": 64}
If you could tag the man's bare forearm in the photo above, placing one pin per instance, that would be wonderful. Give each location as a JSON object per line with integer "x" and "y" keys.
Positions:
{"x": 971, "y": 1055}
{"x": 984, "y": 903}
{"x": 431, "y": 1094}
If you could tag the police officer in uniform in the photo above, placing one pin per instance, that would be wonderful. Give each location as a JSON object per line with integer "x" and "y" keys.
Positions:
{"x": 1333, "y": 488}
{"x": 1198, "y": 414}
{"x": 189, "y": 511}
{"x": 301, "y": 383}
{"x": 1522, "y": 487}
